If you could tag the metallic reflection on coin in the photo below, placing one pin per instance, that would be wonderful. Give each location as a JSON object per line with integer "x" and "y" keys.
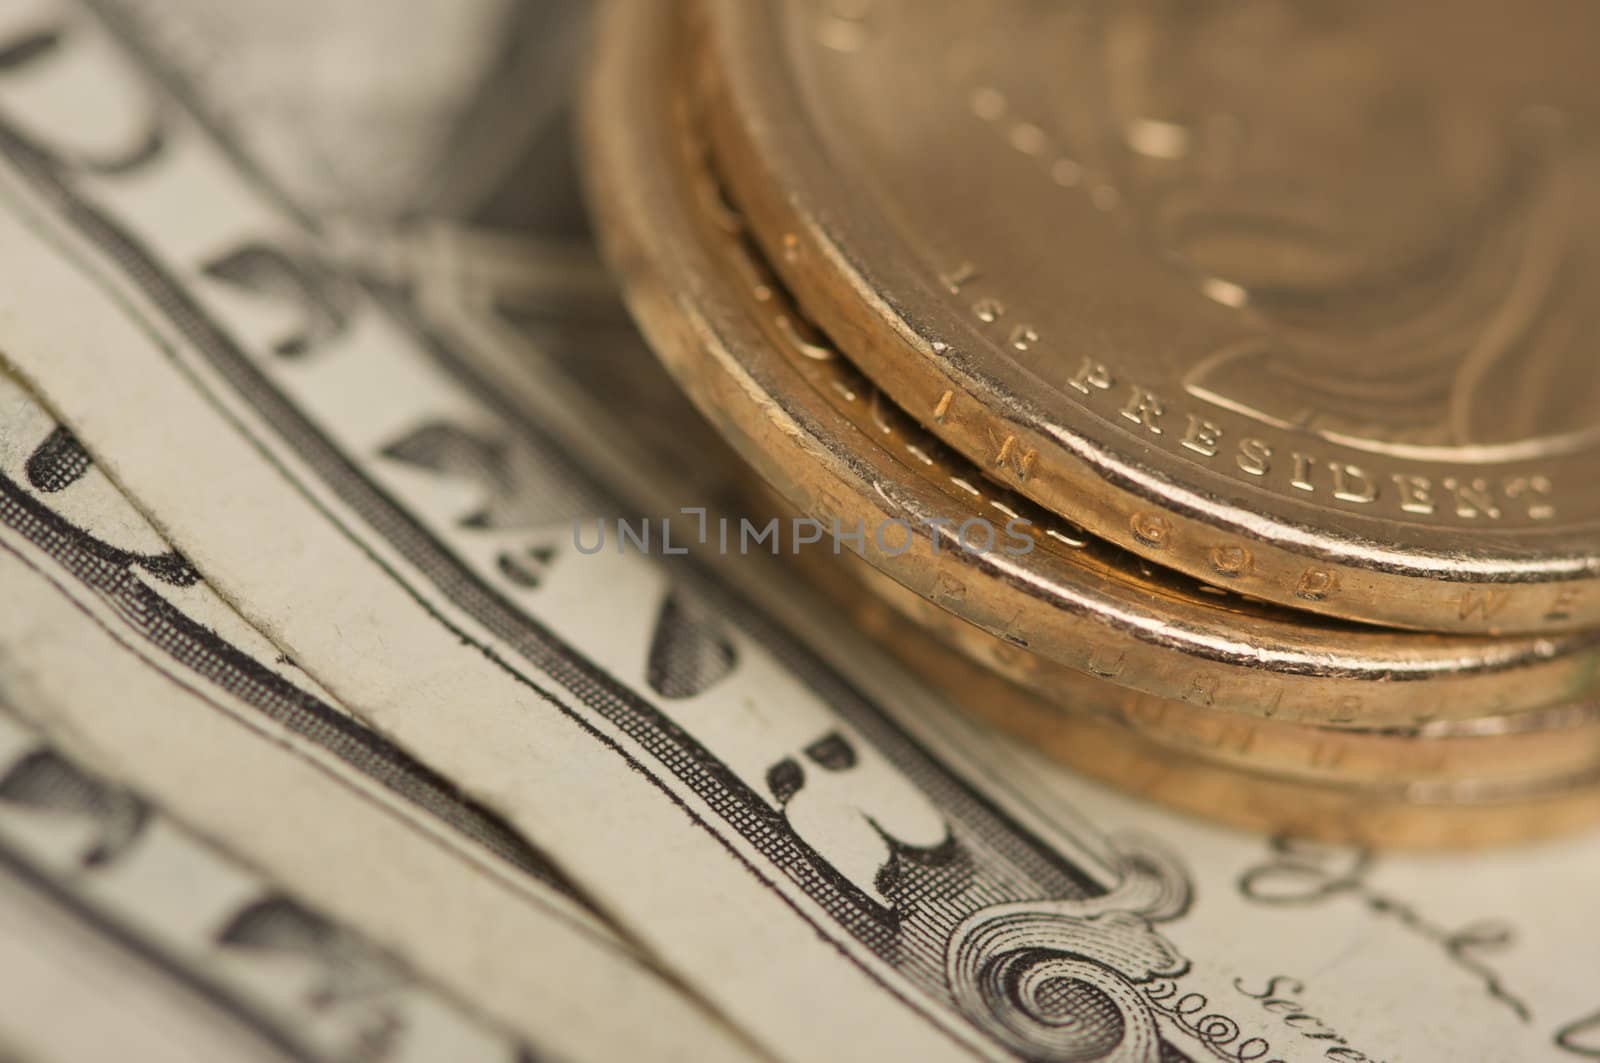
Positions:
{"x": 1521, "y": 748}
{"x": 1295, "y": 298}
{"x": 806, "y": 420}
{"x": 1392, "y": 813}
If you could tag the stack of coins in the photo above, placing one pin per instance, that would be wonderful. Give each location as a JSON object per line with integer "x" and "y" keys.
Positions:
{"x": 1203, "y": 392}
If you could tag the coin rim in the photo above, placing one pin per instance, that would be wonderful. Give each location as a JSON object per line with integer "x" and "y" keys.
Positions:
{"x": 1465, "y": 814}
{"x": 1517, "y": 748}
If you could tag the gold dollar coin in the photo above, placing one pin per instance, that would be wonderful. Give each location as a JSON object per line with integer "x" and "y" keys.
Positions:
{"x": 719, "y": 317}
{"x": 1297, "y": 299}
{"x": 1524, "y": 748}
{"x": 1460, "y": 812}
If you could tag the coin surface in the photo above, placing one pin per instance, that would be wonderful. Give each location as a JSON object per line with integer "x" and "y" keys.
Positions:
{"x": 807, "y": 421}
{"x": 1297, "y": 299}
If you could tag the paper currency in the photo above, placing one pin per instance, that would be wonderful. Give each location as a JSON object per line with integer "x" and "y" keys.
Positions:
{"x": 197, "y": 712}
{"x": 840, "y": 864}
{"x": 282, "y": 971}
{"x": 74, "y": 991}
{"x": 372, "y": 113}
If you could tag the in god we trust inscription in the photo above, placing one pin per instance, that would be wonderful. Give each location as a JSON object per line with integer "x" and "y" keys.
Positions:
{"x": 1000, "y": 931}
{"x": 1304, "y": 289}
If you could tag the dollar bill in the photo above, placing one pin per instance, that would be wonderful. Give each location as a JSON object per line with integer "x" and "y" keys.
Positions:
{"x": 841, "y": 864}
{"x": 74, "y": 989}
{"x": 374, "y": 113}
{"x": 284, "y": 972}
{"x": 127, "y": 686}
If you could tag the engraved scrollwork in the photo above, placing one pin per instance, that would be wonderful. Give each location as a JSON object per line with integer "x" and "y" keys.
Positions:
{"x": 1217, "y": 1032}
{"x": 1058, "y": 980}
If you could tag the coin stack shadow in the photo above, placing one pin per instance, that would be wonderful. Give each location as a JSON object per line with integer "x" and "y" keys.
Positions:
{"x": 1178, "y": 632}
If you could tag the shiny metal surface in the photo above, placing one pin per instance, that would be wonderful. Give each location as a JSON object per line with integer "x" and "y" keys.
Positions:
{"x": 1521, "y": 748}
{"x": 1398, "y": 812}
{"x": 1298, "y": 299}
{"x": 800, "y": 413}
